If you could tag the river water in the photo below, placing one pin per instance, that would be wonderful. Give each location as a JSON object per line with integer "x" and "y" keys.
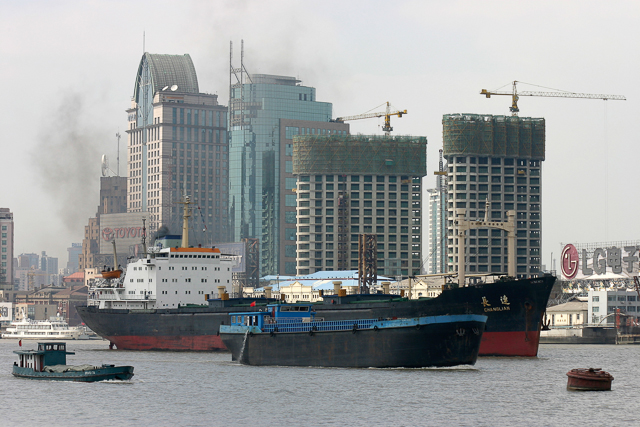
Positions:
{"x": 207, "y": 389}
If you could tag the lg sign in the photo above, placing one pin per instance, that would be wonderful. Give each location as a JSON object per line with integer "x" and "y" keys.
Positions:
{"x": 109, "y": 234}
{"x": 622, "y": 261}
{"x": 570, "y": 261}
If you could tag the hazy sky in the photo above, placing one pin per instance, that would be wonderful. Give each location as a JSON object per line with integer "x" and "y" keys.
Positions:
{"x": 67, "y": 71}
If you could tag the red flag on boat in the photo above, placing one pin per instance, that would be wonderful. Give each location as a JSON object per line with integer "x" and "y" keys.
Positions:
{"x": 253, "y": 304}
{"x": 20, "y": 343}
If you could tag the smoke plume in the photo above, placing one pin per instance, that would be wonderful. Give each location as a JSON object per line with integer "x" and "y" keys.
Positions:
{"x": 67, "y": 162}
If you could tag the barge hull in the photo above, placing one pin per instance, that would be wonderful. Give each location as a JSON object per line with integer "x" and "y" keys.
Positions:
{"x": 431, "y": 345}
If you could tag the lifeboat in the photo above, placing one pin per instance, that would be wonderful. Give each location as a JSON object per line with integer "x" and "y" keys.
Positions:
{"x": 112, "y": 274}
{"x": 592, "y": 379}
{"x": 116, "y": 272}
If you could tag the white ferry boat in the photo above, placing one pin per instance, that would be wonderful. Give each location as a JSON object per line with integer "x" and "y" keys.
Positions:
{"x": 53, "y": 329}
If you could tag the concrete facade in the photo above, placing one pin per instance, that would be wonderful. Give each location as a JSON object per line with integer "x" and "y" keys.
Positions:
{"x": 496, "y": 159}
{"x": 353, "y": 185}
{"x": 603, "y": 305}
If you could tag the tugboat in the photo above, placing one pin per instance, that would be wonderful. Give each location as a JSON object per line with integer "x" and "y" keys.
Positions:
{"x": 290, "y": 335}
{"x": 592, "y": 379}
{"x": 49, "y": 362}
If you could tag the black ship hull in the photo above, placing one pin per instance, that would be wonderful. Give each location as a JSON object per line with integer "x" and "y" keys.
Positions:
{"x": 514, "y": 310}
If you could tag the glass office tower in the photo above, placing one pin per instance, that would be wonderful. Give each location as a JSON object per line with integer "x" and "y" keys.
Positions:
{"x": 256, "y": 163}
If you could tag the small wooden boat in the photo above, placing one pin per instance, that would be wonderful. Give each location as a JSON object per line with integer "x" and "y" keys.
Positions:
{"x": 592, "y": 379}
{"x": 49, "y": 362}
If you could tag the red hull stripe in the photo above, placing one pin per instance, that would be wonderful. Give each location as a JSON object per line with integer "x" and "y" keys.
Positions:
{"x": 176, "y": 343}
{"x": 524, "y": 344}
{"x": 493, "y": 343}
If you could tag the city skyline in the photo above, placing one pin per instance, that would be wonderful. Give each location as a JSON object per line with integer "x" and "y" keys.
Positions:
{"x": 68, "y": 75}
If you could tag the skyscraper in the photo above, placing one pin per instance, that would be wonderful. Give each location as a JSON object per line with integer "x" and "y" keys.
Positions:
{"x": 436, "y": 260}
{"x": 352, "y": 185}
{"x": 6, "y": 248}
{"x": 74, "y": 252}
{"x": 177, "y": 146}
{"x": 113, "y": 200}
{"x": 260, "y": 168}
{"x": 496, "y": 159}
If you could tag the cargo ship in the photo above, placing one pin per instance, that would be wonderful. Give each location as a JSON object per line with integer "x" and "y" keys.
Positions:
{"x": 167, "y": 301}
{"x": 167, "y": 319}
{"x": 292, "y": 335}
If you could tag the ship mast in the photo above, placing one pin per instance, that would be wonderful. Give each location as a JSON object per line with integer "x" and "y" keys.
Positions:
{"x": 185, "y": 221}
{"x": 144, "y": 237}
{"x": 115, "y": 254}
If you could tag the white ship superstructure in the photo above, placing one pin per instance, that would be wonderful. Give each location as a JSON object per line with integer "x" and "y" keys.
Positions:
{"x": 166, "y": 278}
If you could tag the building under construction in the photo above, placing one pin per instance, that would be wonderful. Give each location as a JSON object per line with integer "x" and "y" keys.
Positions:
{"x": 349, "y": 185}
{"x": 495, "y": 158}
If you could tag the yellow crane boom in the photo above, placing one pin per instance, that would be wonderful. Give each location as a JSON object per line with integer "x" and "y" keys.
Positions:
{"x": 559, "y": 94}
{"x": 386, "y": 114}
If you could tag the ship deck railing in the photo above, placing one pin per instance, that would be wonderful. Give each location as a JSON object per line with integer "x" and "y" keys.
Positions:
{"x": 295, "y": 325}
{"x": 112, "y": 297}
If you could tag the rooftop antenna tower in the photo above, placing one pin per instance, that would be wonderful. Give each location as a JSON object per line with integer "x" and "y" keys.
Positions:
{"x": 237, "y": 104}
{"x": 118, "y": 155}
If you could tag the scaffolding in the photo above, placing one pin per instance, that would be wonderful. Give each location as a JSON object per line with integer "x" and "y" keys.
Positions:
{"x": 495, "y": 136}
{"x": 367, "y": 262}
{"x": 343, "y": 230}
{"x": 359, "y": 154}
{"x": 252, "y": 263}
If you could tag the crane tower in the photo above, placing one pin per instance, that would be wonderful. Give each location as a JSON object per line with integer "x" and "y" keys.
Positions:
{"x": 515, "y": 95}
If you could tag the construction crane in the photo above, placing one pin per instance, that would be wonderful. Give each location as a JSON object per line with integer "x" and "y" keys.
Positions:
{"x": 386, "y": 114}
{"x": 31, "y": 276}
{"x": 515, "y": 95}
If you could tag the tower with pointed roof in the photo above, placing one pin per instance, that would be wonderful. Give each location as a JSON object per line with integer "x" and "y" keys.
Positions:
{"x": 177, "y": 144}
